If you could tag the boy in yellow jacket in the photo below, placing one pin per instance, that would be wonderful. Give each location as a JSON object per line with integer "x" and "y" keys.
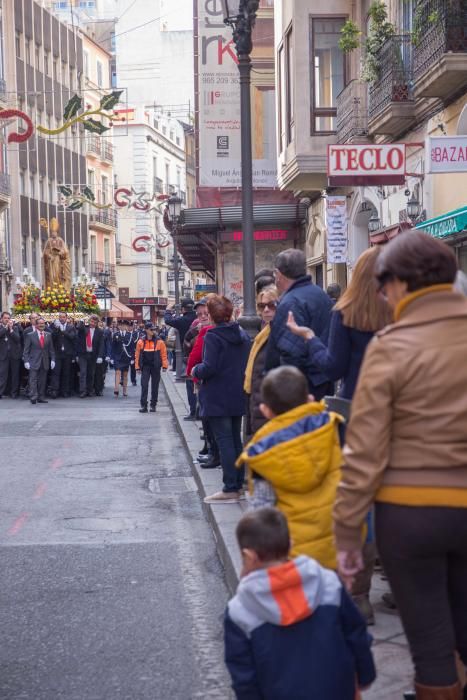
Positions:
{"x": 295, "y": 462}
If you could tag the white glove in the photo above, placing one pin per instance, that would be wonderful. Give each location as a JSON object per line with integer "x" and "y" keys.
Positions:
{"x": 107, "y": 359}
{"x": 27, "y": 365}
{"x": 52, "y": 364}
{"x": 77, "y": 359}
{"x": 132, "y": 362}
{"x": 99, "y": 361}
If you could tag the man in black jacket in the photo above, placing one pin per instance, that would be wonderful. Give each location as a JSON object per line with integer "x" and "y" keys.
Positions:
{"x": 91, "y": 352}
{"x": 182, "y": 324}
{"x": 39, "y": 357}
{"x": 64, "y": 339}
{"x": 10, "y": 355}
{"x": 312, "y": 306}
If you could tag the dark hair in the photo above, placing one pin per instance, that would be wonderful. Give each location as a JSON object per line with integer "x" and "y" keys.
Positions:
{"x": 266, "y": 532}
{"x": 292, "y": 263}
{"x": 5, "y": 313}
{"x": 187, "y": 304}
{"x": 262, "y": 282}
{"x": 418, "y": 259}
{"x": 220, "y": 309}
{"x": 334, "y": 290}
{"x": 264, "y": 272}
{"x": 283, "y": 389}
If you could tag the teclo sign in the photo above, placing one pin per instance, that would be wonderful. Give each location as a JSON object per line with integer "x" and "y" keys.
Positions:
{"x": 366, "y": 164}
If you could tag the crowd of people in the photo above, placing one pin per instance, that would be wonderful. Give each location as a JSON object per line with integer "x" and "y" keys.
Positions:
{"x": 353, "y": 447}
{"x": 62, "y": 358}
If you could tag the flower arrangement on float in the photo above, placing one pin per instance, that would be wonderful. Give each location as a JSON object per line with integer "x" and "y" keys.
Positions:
{"x": 80, "y": 302}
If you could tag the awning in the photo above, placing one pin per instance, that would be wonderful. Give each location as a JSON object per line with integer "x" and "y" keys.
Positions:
{"x": 120, "y": 310}
{"x": 453, "y": 222}
{"x": 263, "y": 215}
{"x": 383, "y": 235}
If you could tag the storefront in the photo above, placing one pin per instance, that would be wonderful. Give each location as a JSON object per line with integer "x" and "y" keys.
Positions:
{"x": 452, "y": 229}
{"x": 148, "y": 308}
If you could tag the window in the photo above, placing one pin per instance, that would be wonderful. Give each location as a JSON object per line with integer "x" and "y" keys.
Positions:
{"x": 106, "y": 251}
{"x": 281, "y": 100}
{"x": 328, "y": 72}
{"x": 76, "y": 260}
{"x": 105, "y": 188}
{"x": 51, "y": 191}
{"x": 86, "y": 64}
{"x": 113, "y": 78}
{"x": 18, "y": 44}
{"x": 171, "y": 135}
{"x": 289, "y": 88}
{"x": 55, "y": 69}
{"x": 99, "y": 73}
{"x": 154, "y": 167}
{"x": 32, "y": 187}
{"x": 28, "y": 51}
{"x": 46, "y": 63}
{"x": 34, "y": 258}
{"x": 91, "y": 179}
{"x": 112, "y": 41}
{"x": 177, "y": 140}
{"x": 37, "y": 57}
{"x": 93, "y": 249}
{"x": 167, "y": 176}
{"x": 159, "y": 282}
{"x": 179, "y": 181}
{"x": 41, "y": 189}
{"x": 22, "y": 182}
{"x": 24, "y": 252}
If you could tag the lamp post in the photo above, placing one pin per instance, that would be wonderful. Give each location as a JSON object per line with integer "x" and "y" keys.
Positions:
{"x": 374, "y": 223}
{"x": 241, "y": 16}
{"x": 174, "y": 204}
{"x": 414, "y": 209}
{"x": 104, "y": 277}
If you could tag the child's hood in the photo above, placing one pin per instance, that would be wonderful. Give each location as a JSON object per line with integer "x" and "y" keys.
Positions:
{"x": 284, "y": 594}
{"x": 297, "y": 449}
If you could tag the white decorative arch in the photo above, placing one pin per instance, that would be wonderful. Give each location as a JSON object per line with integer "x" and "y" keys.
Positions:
{"x": 358, "y": 221}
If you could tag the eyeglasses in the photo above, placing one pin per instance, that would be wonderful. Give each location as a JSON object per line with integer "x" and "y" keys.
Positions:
{"x": 271, "y": 305}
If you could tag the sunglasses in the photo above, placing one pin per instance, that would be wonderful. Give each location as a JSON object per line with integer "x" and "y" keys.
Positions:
{"x": 271, "y": 305}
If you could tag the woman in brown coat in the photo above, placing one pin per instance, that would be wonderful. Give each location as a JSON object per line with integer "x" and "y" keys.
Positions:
{"x": 406, "y": 450}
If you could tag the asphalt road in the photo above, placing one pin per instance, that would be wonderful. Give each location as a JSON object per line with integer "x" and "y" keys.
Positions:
{"x": 110, "y": 586}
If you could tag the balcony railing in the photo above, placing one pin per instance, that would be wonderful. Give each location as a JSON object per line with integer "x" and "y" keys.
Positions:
{"x": 391, "y": 95}
{"x": 93, "y": 145}
{"x": 5, "y": 185}
{"x": 440, "y": 39}
{"x": 103, "y": 216}
{"x": 107, "y": 151}
{"x": 352, "y": 112}
{"x": 98, "y": 267}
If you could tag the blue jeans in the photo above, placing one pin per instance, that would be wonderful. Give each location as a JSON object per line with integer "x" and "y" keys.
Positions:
{"x": 227, "y": 431}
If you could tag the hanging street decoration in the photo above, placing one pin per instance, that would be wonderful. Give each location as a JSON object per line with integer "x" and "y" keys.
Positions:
{"x": 72, "y": 198}
{"x": 71, "y": 201}
{"x": 70, "y": 117}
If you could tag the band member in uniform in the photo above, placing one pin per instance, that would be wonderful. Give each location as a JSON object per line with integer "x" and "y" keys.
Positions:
{"x": 151, "y": 357}
{"x": 64, "y": 338}
{"x": 10, "y": 355}
{"x": 122, "y": 354}
{"x": 137, "y": 333}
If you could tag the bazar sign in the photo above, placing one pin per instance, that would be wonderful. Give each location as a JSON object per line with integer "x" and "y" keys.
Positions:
{"x": 366, "y": 164}
{"x": 446, "y": 154}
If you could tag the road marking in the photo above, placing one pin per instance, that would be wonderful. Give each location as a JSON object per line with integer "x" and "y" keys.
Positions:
{"x": 56, "y": 463}
{"x": 18, "y": 524}
{"x": 40, "y": 490}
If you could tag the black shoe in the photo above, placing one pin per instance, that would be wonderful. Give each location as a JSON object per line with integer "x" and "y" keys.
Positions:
{"x": 210, "y": 464}
{"x": 42, "y": 401}
{"x": 204, "y": 451}
{"x": 53, "y": 395}
{"x": 98, "y": 393}
{"x": 144, "y": 409}
{"x": 410, "y": 695}
{"x": 133, "y": 383}
{"x": 190, "y": 416}
{"x": 33, "y": 401}
{"x": 13, "y": 396}
{"x": 152, "y": 409}
{"x": 83, "y": 395}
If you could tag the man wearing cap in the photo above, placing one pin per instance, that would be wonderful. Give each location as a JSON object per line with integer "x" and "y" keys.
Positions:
{"x": 150, "y": 358}
{"x": 182, "y": 324}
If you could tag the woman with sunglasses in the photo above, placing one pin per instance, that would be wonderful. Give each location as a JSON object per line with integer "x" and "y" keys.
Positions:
{"x": 406, "y": 450}
{"x": 266, "y": 304}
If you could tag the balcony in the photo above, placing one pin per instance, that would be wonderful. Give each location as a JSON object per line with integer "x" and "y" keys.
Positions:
{"x": 98, "y": 267}
{"x": 107, "y": 151}
{"x": 103, "y": 218}
{"x": 93, "y": 145}
{"x": 352, "y": 113}
{"x": 391, "y": 103}
{"x": 440, "y": 52}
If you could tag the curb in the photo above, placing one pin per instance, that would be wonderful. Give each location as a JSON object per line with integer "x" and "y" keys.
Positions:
{"x": 222, "y": 518}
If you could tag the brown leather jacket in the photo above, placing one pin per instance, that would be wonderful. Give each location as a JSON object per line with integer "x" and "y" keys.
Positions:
{"x": 407, "y": 436}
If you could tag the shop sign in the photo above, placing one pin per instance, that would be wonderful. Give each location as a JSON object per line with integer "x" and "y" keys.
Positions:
{"x": 441, "y": 226}
{"x": 272, "y": 235}
{"x": 336, "y": 227}
{"x": 101, "y": 292}
{"x": 147, "y": 301}
{"x": 446, "y": 154}
{"x": 366, "y": 164}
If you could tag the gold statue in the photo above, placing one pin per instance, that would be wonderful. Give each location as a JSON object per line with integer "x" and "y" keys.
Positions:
{"x": 56, "y": 257}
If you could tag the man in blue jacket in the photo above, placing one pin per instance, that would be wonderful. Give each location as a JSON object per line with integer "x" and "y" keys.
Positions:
{"x": 312, "y": 306}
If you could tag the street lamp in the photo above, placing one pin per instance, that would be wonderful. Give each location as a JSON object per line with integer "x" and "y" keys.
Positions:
{"x": 104, "y": 277}
{"x": 374, "y": 223}
{"x": 241, "y": 16}
{"x": 413, "y": 208}
{"x": 174, "y": 205}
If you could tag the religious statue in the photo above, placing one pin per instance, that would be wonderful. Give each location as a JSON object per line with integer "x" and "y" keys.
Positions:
{"x": 56, "y": 257}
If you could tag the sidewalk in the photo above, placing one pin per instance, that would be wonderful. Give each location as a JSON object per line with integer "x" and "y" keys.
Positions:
{"x": 390, "y": 646}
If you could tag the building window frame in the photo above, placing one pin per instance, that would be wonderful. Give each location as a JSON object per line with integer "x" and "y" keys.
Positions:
{"x": 289, "y": 85}
{"x": 316, "y": 112}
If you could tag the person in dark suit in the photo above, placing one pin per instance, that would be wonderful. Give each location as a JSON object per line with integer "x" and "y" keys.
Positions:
{"x": 90, "y": 352}
{"x": 38, "y": 356}
{"x": 10, "y": 355}
{"x": 63, "y": 335}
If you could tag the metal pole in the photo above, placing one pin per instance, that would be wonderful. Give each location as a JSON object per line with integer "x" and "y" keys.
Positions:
{"x": 249, "y": 318}
{"x": 178, "y": 344}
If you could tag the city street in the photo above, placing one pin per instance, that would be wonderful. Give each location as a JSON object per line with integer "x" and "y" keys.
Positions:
{"x": 111, "y": 586}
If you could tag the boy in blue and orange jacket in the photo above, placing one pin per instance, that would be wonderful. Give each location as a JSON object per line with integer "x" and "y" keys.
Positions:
{"x": 291, "y": 631}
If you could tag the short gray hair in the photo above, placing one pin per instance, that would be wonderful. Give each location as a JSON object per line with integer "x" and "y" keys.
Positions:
{"x": 291, "y": 263}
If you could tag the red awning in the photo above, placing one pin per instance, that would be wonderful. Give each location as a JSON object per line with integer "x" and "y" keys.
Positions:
{"x": 388, "y": 233}
{"x": 119, "y": 310}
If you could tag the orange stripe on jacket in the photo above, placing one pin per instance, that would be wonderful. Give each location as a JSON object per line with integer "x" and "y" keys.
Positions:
{"x": 159, "y": 346}
{"x": 287, "y": 591}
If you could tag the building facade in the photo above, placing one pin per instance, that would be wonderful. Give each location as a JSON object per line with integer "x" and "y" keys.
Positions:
{"x": 6, "y": 272}
{"x": 43, "y": 69}
{"x": 333, "y": 91}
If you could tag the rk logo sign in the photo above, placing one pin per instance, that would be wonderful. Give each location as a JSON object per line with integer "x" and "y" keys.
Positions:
{"x": 366, "y": 164}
